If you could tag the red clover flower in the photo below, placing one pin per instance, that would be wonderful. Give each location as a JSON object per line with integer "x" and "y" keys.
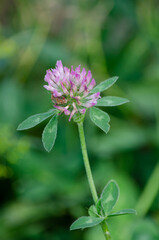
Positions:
{"x": 70, "y": 89}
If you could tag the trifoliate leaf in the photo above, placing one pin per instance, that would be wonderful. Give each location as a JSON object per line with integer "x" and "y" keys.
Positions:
{"x": 111, "y": 101}
{"x": 123, "y": 212}
{"x": 109, "y": 196}
{"x": 104, "y": 85}
{"x": 34, "y": 120}
{"x": 100, "y": 118}
{"x": 49, "y": 134}
{"x": 85, "y": 222}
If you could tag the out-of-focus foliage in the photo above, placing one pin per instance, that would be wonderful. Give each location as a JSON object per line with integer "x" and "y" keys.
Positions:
{"x": 41, "y": 193}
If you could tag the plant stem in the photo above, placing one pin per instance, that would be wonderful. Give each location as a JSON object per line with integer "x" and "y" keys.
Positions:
{"x": 86, "y": 163}
{"x": 90, "y": 177}
{"x": 105, "y": 230}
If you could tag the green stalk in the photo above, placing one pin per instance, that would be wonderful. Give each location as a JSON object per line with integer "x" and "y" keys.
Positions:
{"x": 86, "y": 163}
{"x": 105, "y": 230}
{"x": 149, "y": 193}
{"x": 90, "y": 177}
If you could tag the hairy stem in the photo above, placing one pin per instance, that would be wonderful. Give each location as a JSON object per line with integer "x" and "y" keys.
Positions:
{"x": 90, "y": 177}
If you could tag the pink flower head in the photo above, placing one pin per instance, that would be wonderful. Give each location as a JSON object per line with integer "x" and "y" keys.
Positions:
{"x": 71, "y": 89}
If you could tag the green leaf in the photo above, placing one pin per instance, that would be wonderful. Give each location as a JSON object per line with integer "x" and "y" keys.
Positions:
{"x": 123, "y": 212}
{"x": 109, "y": 196}
{"x": 99, "y": 206}
{"x": 92, "y": 211}
{"x": 104, "y": 85}
{"x": 49, "y": 133}
{"x": 111, "y": 101}
{"x": 85, "y": 222}
{"x": 100, "y": 118}
{"x": 34, "y": 120}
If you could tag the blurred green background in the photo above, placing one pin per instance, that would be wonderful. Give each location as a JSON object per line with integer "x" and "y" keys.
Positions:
{"x": 41, "y": 193}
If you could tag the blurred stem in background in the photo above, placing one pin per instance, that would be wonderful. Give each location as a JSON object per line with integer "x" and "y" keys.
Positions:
{"x": 149, "y": 193}
{"x": 90, "y": 177}
{"x": 152, "y": 186}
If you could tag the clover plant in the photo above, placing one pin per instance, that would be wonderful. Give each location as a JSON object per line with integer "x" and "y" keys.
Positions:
{"x": 74, "y": 93}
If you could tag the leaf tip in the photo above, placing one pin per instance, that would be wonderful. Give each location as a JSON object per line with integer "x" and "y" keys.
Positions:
{"x": 116, "y": 77}
{"x": 47, "y": 150}
{"x": 127, "y": 100}
{"x": 20, "y": 128}
{"x": 45, "y": 147}
{"x": 108, "y": 129}
{"x": 71, "y": 228}
{"x": 113, "y": 181}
